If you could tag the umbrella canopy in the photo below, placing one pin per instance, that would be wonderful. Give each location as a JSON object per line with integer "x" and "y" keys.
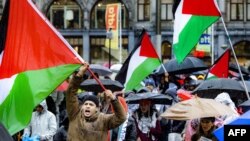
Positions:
{"x": 241, "y": 120}
{"x": 101, "y": 70}
{"x": 155, "y": 98}
{"x": 211, "y": 88}
{"x": 4, "y": 134}
{"x": 196, "y": 108}
{"x": 245, "y": 104}
{"x": 92, "y": 86}
{"x": 234, "y": 67}
{"x": 189, "y": 65}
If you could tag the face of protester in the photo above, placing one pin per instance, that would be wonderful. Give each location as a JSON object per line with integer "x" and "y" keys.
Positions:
{"x": 206, "y": 125}
{"x": 39, "y": 108}
{"x": 145, "y": 106}
{"x": 89, "y": 108}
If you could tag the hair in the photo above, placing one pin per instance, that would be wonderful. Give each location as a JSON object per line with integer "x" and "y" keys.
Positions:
{"x": 200, "y": 132}
{"x": 149, "y": 113}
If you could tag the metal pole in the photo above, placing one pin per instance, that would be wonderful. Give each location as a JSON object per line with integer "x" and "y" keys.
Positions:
{"x": 109, "y": 52}
{"x": 236, "y": 60}
{"x": 109, "y": 36}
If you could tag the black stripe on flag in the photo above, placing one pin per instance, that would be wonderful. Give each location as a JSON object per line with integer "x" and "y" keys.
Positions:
{"x": 4, "y": 25}
{"x": 122, "y": 74}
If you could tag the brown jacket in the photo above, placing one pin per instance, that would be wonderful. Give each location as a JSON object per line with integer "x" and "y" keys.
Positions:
{"x": 92, "y": 129}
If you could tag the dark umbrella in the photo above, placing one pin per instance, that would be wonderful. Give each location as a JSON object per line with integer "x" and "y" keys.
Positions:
{"x": 92, "y": 86}
{"x": 189, "y": 65}
{"x": 4, "y": 134}
{"x": 211, "y": 88}
{"x": 155, "y": 98}
{"x": 233, "y": 67}
{"x": 101, "y": 70}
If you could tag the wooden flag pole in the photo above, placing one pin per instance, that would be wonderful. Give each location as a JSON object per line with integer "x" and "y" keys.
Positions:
{"x": 97, "y": 79}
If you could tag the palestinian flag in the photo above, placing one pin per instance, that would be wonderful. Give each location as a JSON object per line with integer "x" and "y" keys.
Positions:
{"x": 35, "y": 59}
{"x": 192, "y": 18}
{"x": 139, "y": 64}
{"x": 220, "y": 68}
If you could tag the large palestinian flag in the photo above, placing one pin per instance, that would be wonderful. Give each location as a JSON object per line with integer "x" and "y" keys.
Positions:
{"x": 35, "y": 59}
{"x": 139, "y": 64}
{"x": 192, "y": 18}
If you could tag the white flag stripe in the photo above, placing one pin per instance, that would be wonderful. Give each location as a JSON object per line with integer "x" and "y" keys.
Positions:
{"x": 5, "y": 87}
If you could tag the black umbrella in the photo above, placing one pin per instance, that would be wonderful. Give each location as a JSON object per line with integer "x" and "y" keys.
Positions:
{"x": 101, "y": 70}
{"x": 93, "y": 86}
{"x": 245, "y": 105}
{"x": 155, "y": 98}
{"x": 4, "y": 134}
{"x": 189, "y": 65}
{"x": 211, "y": 88}
{"x": 234, "y": 67}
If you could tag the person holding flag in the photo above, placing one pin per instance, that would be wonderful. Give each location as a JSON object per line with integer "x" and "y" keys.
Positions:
{"x": 86, "y": 123}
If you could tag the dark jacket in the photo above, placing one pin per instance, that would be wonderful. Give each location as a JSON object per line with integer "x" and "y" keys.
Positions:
{"x": 94, "y": 128}
{"x": 131, "y": 133}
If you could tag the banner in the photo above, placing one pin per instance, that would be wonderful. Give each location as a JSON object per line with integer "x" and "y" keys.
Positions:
{"x": 112, "y": 17}
{"x": 204, "y": 43}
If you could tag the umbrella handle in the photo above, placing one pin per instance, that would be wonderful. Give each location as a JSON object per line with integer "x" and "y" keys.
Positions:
{"x": 97, "y": 80}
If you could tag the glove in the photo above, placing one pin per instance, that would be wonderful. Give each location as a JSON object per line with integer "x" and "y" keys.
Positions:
{"x": 35, "y": 138}
{"x": 25, "y": 137}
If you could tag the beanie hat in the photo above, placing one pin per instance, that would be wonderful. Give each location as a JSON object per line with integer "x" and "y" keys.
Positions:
{"x": 92, "y": 98}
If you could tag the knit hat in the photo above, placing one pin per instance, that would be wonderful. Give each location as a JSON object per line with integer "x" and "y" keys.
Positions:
{"x": 92, "y": 98}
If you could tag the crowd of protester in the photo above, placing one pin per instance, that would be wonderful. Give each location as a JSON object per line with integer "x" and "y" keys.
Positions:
{"x": 75, "y": 114}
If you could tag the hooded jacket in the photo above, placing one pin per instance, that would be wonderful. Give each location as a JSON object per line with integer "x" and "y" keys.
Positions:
{"x": 97, "y": 126}
{"x": 42, "y": 124}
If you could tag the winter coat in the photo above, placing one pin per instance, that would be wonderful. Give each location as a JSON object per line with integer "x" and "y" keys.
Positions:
{"x": 97, "y": 126}
{"x": 61, "y": 134}
{"x": 42, "y": 124}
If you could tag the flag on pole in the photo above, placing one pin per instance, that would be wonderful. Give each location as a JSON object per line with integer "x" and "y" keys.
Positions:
{"x": 192, "y": 18}
{"x": 112, "y": 25}
{"x": 220, "y": 67}
{"x": 139, "y": 64}
{"x": 35, "y": 59}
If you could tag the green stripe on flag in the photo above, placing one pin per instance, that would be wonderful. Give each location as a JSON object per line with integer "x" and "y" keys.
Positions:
{"x": 142, "y": 71}
{"x": 29, "y": 89}
{"x": 190, "y": 35}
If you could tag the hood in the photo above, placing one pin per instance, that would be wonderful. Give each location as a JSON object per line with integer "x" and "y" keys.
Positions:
{"x": 44, "y": 105}
{"x": 225, "y": 99}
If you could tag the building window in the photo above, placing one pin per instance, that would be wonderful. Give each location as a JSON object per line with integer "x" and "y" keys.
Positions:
{"x": 98, "y": 14}
{"x": 65, "y": 15}
{"x": 100, "y": 54}
{"x": 248, "y": 10}
{"x": 166, "y": 10}
{"x": 143, "y": 10}
{"x": 166, "y": 50}
{"x": 236, "y": 10}
{"x": 76, "y": 42}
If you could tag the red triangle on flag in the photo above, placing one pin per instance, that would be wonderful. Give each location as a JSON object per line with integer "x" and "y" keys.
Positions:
{"x": 32, "y": 43}
{"x": 147, "y": 48}
{"x": 220, "y": 67}
{"x": 200, "y": 7}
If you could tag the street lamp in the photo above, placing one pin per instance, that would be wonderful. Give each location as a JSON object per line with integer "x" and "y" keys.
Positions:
{"x": 109, "y": 36}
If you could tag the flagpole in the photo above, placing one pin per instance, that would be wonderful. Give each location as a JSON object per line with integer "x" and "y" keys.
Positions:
{"x": 236, "y": 60}
{"x": 120, "y": 40}
{"x": 212, "y": 45}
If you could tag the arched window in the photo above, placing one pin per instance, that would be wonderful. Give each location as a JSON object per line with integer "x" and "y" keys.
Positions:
{"x": 65, "y": 14}
{"x": 166, "y": 50}
{"x": 98, "y": 14}
{"x": 242, "y": 51}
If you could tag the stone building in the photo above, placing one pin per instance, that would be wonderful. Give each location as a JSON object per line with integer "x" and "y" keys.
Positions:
{"x": 82, "y": 23}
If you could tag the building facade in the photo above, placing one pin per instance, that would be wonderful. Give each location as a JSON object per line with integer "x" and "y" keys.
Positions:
{"x": 82, "y": 23}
